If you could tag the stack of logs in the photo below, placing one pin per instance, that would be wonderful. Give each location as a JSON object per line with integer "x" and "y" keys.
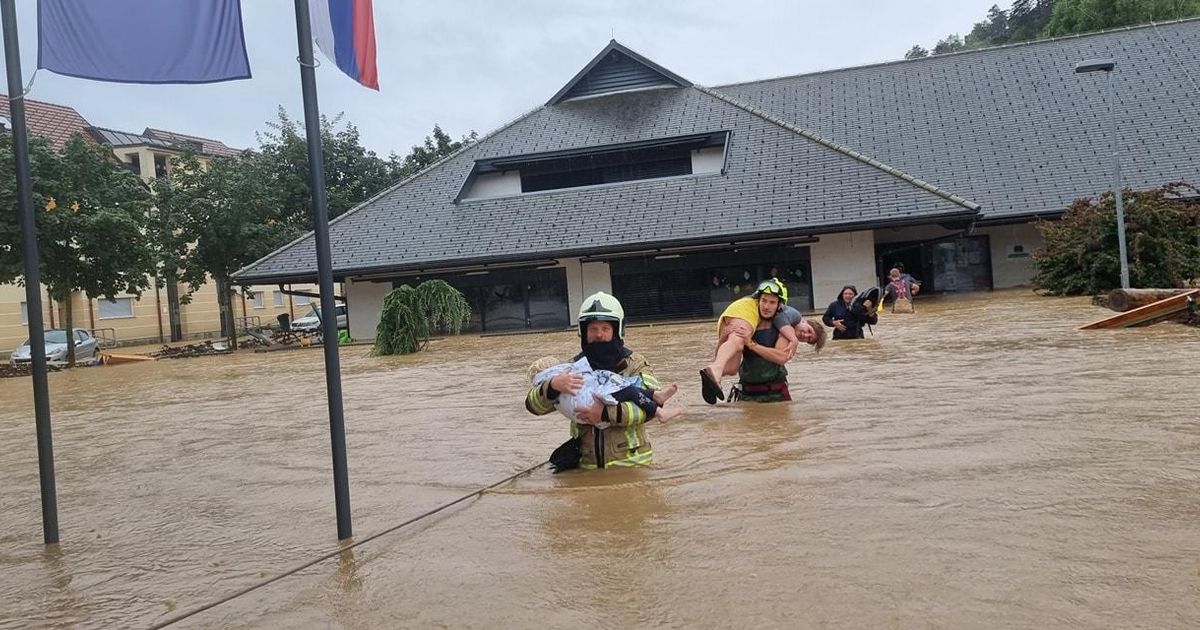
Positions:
{"x": 1122, "y": 300}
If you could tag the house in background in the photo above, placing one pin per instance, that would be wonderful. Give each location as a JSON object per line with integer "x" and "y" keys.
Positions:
{"x": 159, "y": 314}
{"x": 679, "y": 198}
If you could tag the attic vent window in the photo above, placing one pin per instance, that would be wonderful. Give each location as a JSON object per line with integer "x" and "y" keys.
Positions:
{"x": 593, "y": 166}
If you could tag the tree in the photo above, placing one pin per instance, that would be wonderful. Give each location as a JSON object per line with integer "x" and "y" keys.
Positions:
{"x": 91, "y": 234}
{"x": 992, "y": 31}
{"x": 951, "y": 43}
{"x": 1081, "y": 16}
{"x": 1027, "y": 18}
{"x": 410, "y": 315}
{"x": 353, "y": 174}
{"x": 169, "y": 231}
{"x": 916, "y": 52}
{"x": 230, "y": 215}
{"x": 1081, "y": 255}
{"x": 436, "y": 147}
{"x": 10, "y": 227}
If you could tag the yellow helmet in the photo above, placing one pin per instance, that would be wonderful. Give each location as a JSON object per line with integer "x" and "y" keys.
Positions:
{"x": 774, "y": 286}
{"x": 601, "y": 306}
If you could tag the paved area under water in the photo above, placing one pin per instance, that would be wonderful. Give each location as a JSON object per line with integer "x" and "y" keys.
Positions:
{"x": 979, "y": 464}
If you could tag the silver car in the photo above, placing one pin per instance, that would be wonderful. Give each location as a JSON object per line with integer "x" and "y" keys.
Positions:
{"x": 312, "y": 321}
{"x": 56, "y": 347}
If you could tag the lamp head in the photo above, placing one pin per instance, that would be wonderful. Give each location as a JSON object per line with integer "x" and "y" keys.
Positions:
{"x": 1095, "y": 65}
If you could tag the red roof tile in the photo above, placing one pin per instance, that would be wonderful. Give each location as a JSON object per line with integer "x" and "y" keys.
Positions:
{"x": 55, "y": 123}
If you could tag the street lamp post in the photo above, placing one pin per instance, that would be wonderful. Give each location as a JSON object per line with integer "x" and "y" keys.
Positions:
{"x": 1106, "y": 66}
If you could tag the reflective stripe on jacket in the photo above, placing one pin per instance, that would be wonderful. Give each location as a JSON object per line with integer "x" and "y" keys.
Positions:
{"x": 623, "y": 442}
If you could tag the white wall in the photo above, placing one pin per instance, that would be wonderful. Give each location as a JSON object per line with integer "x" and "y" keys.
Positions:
{"x": 1010, "y": 267}
{"x": 495, "y": 185}
{"x": 708, "y": 160}
{"x": 1012, "y": 253}
{"x": 364, "y": 302}
{"x": 584, "y": 279}
{"x": 841, "y": 259}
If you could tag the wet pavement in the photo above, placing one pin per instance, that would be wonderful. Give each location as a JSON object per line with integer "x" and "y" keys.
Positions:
{"x": 978, "y": 464}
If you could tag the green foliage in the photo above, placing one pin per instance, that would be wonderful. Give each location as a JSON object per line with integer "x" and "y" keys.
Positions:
{"x": 353, "y": 174}
{"x": 410, "y": 315}
{"x": 1162, "y": 229}
{"x": 91, "y": 215}
{"x": 42, "y": 159}
{"x": 1033, "y": 19}
{"x": 91, "y": 224}
{"x": 1082, "y": 16}
{"x": 228, "y": 215}
{"x": 951, "y": 43}
{"x": 916, "y": 52}
{"x": 436, "y": 147}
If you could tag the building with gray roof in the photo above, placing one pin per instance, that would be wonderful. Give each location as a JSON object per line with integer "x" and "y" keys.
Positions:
{"x": 680, "y": 198}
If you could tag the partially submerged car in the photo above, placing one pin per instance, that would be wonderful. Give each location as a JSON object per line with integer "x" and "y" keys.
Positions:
{"x": 86, "y": 347}
{"x": 312, "y": 321}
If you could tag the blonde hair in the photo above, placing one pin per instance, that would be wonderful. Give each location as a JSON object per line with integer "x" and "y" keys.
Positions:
{"x": 822, "y": 334}
{"x": 541, "y": 364}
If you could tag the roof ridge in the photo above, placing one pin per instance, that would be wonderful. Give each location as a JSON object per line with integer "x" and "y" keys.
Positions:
{"x": 969, "y": 51}
{"x": 34, "y": 100}
{"x": 130, "y": 133}
{"x": 397, "y": 185}
{"x": 624, "y": 50}
{"x": 866, "y": 159}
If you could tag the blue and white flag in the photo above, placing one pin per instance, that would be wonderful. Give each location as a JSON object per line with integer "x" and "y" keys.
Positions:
{"x": 143, "y": 41}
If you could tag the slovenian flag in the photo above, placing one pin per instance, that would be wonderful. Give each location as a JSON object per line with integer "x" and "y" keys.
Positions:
{"x": 345, "y": 31}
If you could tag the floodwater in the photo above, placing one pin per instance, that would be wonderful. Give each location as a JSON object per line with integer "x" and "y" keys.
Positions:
{"x": 980, "y": 464}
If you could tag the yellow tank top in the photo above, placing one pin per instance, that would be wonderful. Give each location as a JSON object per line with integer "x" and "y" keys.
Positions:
{"x": 743, "y": 308}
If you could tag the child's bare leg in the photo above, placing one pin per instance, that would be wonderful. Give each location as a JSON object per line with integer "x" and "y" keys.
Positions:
{"x": 661, "y": 396}
{"x": 666, "y": 414}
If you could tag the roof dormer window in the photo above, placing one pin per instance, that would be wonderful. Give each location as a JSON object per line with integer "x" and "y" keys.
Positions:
{"x": 595, "y": 166}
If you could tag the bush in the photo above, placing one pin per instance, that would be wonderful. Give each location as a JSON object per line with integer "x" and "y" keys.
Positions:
{"x": 1081, "y": 254}
{"x": 410, "y": 315}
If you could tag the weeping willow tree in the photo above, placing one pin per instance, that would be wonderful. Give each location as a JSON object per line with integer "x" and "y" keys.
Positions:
{"x": 410, "y": 315}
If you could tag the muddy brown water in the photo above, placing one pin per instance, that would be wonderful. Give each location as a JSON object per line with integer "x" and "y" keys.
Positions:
{"x": 980, "y": 464}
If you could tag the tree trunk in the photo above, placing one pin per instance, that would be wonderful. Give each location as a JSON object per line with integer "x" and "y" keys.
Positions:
{"x": 68, "y": 317}
{"x": 228, "y": 327}
{"x": 173, "y": 313}
{"x": 1122, "y": 300}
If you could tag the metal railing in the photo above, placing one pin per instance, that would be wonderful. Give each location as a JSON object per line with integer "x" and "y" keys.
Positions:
{"x": 247, "y": 323}
{"x": 105, "y": 337}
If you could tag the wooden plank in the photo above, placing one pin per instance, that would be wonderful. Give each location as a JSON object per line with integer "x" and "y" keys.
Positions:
{"x": 1148, "y": 314}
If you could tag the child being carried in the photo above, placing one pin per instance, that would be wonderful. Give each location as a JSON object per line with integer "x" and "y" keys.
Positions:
{"x": 608, "y": 387}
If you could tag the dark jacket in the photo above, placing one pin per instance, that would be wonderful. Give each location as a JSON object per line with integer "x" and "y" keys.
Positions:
{"x": 854, "y": 321}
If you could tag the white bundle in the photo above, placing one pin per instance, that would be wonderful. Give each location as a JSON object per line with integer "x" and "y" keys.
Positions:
{"x": 601, "y": 383}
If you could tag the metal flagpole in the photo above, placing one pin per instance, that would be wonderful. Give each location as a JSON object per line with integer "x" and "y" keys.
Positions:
{"x": 316, "y": 181}
{"x": 29, "y": 254}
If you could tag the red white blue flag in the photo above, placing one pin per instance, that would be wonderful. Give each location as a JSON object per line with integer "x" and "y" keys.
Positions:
{"x": 143, "y": 41}
{"x": 345, "y": 31}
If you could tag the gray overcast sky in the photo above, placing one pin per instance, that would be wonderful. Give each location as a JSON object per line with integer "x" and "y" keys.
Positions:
{"x": 476, "y": 64}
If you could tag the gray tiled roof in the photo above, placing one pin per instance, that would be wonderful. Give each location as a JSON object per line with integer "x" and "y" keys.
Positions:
{"x": 205, "y": 146}
{"x": 117, "y": 138}
{"x": 1013, "y": 128}
{"x": 778, "y": 182}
